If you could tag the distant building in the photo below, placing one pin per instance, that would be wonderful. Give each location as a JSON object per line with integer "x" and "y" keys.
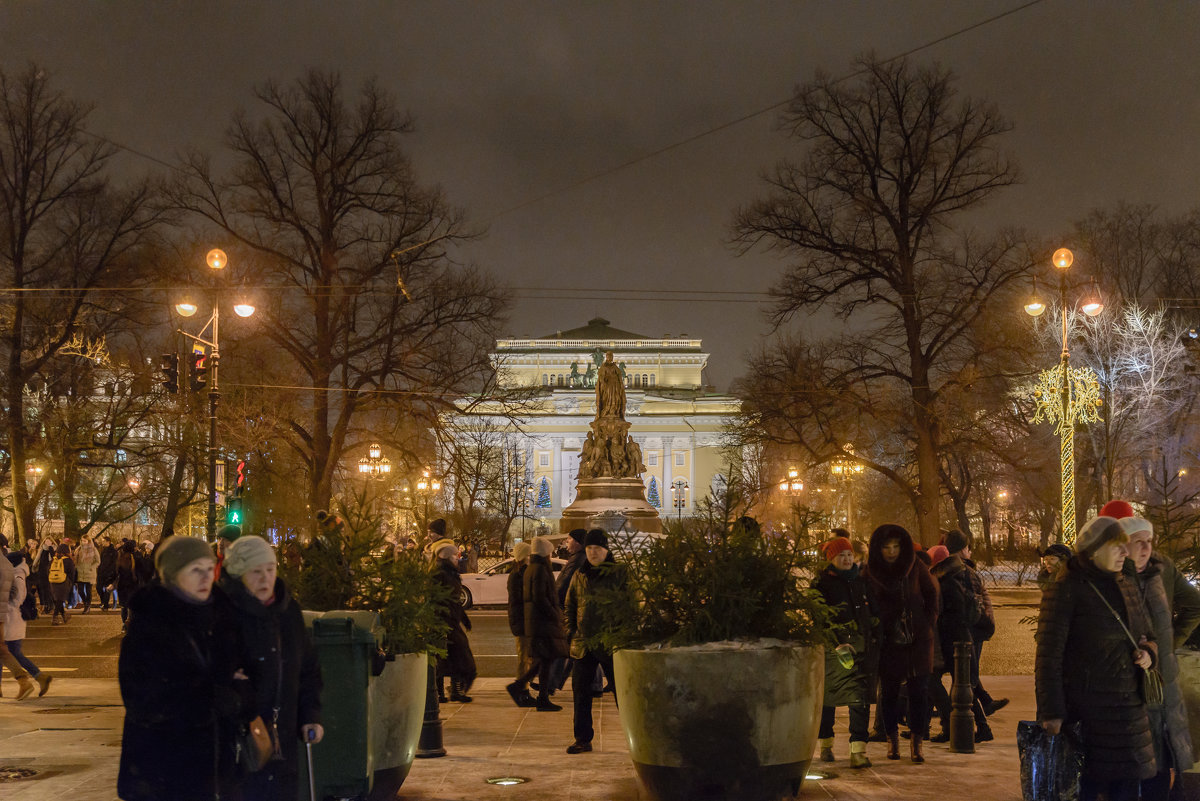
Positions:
{"x": 677, "y": 421}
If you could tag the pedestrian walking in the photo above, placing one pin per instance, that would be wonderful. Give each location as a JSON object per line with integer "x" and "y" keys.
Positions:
{"x": 585, "y": 619}
{"x": 87, "y": 565}
{"x": 957, "y": 616}
{"x": 516, "y": 617}
{"x": 981, "y": 632}
{"x": 41, "y": 574}
{"x": 1094, "y": 639}
{"x": 1054, "y": 565}
{"x": 106, "y": 573}
{"x": 545, "y": 638}
{"x": 13, "y": 625}
{"x": 907, "y": 599}
{"x": 62, "y": 578}
{"x": 1168, "y": 720}
{"x": 850, "y": 668}
{"x": 129, "y": 578}
{"x": 576, "y": 558}
{"x": 459, "y": 662}
{"x": 281, "y": 664}
{"x": 177, "y": 672}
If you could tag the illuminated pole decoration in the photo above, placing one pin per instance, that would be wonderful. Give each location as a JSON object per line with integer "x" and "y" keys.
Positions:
{"x": 1066, "y": 396}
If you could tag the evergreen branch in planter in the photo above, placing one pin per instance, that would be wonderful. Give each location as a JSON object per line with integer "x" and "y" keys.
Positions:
{"x": 350, "y": 564}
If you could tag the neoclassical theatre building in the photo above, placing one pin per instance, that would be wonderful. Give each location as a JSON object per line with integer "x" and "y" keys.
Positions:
{"x": 676, "y": 420}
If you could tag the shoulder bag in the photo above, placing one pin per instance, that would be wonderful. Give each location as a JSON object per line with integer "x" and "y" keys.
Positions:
{"x": 1152, "y": 683}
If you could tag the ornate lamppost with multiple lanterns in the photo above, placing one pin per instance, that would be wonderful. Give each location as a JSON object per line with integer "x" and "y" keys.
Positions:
{"x": 374, "y": 465}
{"x": 679, "y": 490}
{"x": 207, "y": 362}
{"x": 845, "y": 468}
{"x": 1065, "y": 395}
{"x": 427, "y": 486}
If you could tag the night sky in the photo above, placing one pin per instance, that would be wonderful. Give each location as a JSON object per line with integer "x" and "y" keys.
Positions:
{"x": 522, "y": 101}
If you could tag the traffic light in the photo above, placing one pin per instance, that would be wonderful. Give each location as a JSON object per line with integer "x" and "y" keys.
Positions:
{"x": 233, "y": 511}
{"x": 198, "y": 372}
{"x": 170, "y": 371}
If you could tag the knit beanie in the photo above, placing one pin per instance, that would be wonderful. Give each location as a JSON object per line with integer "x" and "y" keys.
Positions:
{"x": 937, "y": 553}
{"x": 956, "y": 541}
{"x": 1134, "y": 525}
{"x": 1097, "y": 532}
{"x": 835, "y": 546}
{"x": 229, "y": 532}
{"x": 247, "y": 553}
{"x": 1117, "y": 509}
{"x": 438, "y": 527}
{"x": 521, "y": 551}
{"x": 596, "y": 537}
{"x": 578, "y": 534}
{"x": 177, "y": 553}
{"x": 542, "y": 547}
{"x": 1059, "y": 550}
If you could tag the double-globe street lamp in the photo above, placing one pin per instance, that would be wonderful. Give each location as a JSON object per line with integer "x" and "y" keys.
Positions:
{"x": 216, "y": 260}
{"x": 679, "y": 490}
{"x": 1065, "y": 395}
{"x": 427, "y": 486}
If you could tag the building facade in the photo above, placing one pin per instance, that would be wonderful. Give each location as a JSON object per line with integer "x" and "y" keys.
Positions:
{"x": 678, "y": 422}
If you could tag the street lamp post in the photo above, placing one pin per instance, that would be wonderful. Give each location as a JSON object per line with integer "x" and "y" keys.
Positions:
{"x": 427, "y": 486}
{"x": 844, "y": 469}
{"x": 374, "y": 465}
{"x": 216, "y": 260}
{"x": 679, "y": 490}
{"x": 1065, "y": 395}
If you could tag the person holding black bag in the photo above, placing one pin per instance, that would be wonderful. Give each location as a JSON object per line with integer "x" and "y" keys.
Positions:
{"x": 281, "y": 664}
{"x": 545, "y": 638}
{"x": 906, "y": 596}
{"x": 1095, "y": 650}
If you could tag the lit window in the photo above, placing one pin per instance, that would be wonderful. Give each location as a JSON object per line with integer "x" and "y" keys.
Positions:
{"x": 645, "y": 380}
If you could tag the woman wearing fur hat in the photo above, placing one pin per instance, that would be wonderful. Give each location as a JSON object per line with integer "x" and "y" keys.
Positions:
{"x": 459, "y": 662}
{"x": 850, "y": 668}
{"x": 1094, "y": 639}
{"x": 1169, "y": 722}
{"x": 177, "y": 673}
{"x": 907, "y": 598}
{"x": 281, "y": 664}
{"x": 545, "y": 639}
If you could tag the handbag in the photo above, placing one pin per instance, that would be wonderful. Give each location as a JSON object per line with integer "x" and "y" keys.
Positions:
{"x": 1051, "y": 764}
{"x": 900, "y": 632}
{"x": 1151, "y": 684}
{"x": 253, "y": 746}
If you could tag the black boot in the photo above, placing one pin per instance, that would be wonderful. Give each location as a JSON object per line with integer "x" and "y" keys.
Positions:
{"x": 441, "y": 688}
{"x": 458, "y": 692}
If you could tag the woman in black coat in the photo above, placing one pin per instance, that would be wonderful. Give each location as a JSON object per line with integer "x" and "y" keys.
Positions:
{"x": 280, "y": 662}
{"x": 1088, "y": 668}
{"x": 177, "y": 669}
{"x": 907, "y": 599}
{"x": 545, "y": 638}
{"x": 106, "y": 574}
{"x": 459, "y": 662}
{"x": 856, "y": 621}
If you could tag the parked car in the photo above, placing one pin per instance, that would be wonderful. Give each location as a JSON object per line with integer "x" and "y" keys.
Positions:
{"x": 491, "y": 586}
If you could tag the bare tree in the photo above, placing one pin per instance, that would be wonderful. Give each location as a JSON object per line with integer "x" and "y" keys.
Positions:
{"x": 867, "y": 219}
{"x": 364, "y": 304}
{"x": 66, "y": 236}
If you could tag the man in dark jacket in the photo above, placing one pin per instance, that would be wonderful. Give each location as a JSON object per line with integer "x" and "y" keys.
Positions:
{"x": 575, "y": 559}
{"x": 585, "y": 619}
{"x": 982, "y": 630}
{"x": 956, "y": 621}
{"x": 516, "y": 616}
{"x": 544, "y": 637}
{"x": 106, "y": 573}
{"x": 850, "y": 667}
{"x": 280, "y": 661}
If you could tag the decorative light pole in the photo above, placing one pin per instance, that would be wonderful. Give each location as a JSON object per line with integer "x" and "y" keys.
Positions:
{"x": 845, "y": 468}
{"x": 1066, "y": 395}
{"x": 679, "y": 490}
{"x": 374, "y": 465}
{"x": 216, "y": 260}
{"x": 427, "y": 486}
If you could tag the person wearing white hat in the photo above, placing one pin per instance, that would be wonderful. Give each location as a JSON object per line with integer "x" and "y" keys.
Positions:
{"x": 281, "y": 664}
{"x": 459, "y": 661}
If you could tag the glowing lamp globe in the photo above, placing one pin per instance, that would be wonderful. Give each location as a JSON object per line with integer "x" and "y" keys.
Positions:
{"x": 243, "y": 310}
{"x": 1063, "y": 258}
{"x": 185, "y": 309}
{"x": 216, "y": 259}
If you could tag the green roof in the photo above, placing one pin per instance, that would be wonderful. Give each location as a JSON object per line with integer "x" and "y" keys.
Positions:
{"x": 596, "y": 328}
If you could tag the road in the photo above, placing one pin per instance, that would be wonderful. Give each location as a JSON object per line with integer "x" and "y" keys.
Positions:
{"x": 87, "y": 646}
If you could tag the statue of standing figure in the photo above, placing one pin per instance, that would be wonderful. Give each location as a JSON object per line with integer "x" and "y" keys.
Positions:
{"x": 610, "y": 390}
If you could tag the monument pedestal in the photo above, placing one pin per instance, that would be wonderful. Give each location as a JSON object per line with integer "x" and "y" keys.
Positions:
{"x": 596, "y": 496}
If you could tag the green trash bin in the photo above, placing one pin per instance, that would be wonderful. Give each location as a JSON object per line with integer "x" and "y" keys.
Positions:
{"x": 371, "y": 710}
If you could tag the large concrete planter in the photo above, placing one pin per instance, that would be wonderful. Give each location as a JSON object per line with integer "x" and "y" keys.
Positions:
{"x": 734, "y": 721}
{"x": 398, "y": 704}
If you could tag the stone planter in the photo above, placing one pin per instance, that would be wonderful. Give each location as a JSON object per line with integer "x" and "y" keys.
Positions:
{"x": 398, "y": 710}
{"x": 734, "y": 721}
{"x": 1189, "y": 685}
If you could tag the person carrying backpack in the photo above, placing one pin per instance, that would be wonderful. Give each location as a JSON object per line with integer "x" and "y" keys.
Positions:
{"x": 62, "y": 578}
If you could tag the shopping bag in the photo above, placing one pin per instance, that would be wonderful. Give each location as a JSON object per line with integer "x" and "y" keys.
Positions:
{"x": 1051, "y": 764}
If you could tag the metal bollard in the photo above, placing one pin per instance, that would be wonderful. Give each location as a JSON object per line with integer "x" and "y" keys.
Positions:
{"x": 430, "y": 744}
{"x": 962, "y": 696}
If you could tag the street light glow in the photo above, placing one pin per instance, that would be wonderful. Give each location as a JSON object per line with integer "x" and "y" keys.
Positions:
{"x": 185, "y": 309}
{"x": 216, "y": 259}
{"x": 243, "y": 309}
{"x": 1063, "y": 258}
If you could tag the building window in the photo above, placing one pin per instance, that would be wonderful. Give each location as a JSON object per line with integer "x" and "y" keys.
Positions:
{"x": 543, "y": 459}
{"x": 652, "y": 460}
{"x": 645, "y": 380}
{"x": 637, "y": 380}
{"x": 560, "y": 379}
{"x": 679, "y": 457}
{"x": 652, "y": 379}
{"x": 545, "y": 380}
